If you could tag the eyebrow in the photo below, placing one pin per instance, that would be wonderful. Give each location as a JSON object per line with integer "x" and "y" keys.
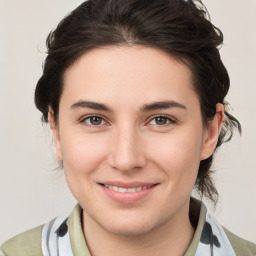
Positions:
{"x": 147, "y": 107}
{"x": 90, "y": 104}
{"x": 162, "y": 105}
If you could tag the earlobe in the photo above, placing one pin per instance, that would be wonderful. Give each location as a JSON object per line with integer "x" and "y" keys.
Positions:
{"x": 212, "y": 132}
{"x": 55, "y": 132}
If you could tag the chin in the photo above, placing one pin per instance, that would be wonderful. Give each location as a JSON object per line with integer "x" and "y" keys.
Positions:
{"x": 137, "y": 227}
{"x": 129, "y": 231}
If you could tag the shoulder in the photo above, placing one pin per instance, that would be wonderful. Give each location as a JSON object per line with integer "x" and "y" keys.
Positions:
{"x": 42, "y": 238}
{"x": 241, "y": 246}
{"x": 24, "y": 244}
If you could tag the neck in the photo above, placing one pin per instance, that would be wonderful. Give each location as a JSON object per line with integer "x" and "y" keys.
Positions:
{"x": 171, "y": 238}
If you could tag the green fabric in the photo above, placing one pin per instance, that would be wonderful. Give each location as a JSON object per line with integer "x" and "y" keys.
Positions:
{"x": 196, "y": 238}
{"x": 25, "y": 244}
{"x": 29, "y": 242}
{"x": 241, "y": 247}
{"x": 77, "y": 240}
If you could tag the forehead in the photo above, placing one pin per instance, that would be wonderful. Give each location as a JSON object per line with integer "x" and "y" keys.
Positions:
{"x": 124, "y": 74}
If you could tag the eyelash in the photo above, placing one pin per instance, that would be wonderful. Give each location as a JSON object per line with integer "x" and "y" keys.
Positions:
{"x": 89, "y": 118}
{"x": 168, "y": 119}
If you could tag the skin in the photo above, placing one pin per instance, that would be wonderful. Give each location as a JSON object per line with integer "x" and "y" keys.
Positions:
{"x": 128, "y": 143}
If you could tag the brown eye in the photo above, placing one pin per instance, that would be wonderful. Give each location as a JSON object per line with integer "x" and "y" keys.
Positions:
{"x": 94, "y": 120}
{"x": 161, "y": 120}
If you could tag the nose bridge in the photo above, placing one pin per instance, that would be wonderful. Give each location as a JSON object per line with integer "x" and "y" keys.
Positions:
{"x": 126, "y": 151}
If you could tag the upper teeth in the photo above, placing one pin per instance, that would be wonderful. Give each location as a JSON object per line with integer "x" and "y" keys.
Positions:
{"x": 125, "y": 190}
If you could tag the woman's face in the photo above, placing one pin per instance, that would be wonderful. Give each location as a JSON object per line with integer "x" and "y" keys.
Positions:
{"x": 131, "y": 138}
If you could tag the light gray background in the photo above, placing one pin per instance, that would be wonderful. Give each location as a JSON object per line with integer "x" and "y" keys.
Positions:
{"x": 31, "y": 192}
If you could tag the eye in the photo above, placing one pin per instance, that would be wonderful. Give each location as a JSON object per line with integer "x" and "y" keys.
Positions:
{"x": 161, "y": 120}
{"x": 93, "y": 121}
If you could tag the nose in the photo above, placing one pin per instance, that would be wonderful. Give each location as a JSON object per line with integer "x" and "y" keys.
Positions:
{"x": 126, "y": 150}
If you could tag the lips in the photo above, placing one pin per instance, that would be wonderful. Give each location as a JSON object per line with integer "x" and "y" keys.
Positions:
{"x": 127, "y": 190}
{"x": 128, "y": 193}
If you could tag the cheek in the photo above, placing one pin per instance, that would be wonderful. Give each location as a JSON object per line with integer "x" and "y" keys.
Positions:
{"x": 82, "y": 154}
{"x": 178, "y": 155}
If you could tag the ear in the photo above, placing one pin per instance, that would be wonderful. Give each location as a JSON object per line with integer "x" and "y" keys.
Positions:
{"x": 212, "y": 132}
{"x": 55, "y": 132}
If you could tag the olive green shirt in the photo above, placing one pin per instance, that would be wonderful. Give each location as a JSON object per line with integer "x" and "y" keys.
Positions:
{"x": 29, "y": 242}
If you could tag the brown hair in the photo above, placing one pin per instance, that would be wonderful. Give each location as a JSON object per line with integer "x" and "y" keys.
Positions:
{"x": 179, "y": 27}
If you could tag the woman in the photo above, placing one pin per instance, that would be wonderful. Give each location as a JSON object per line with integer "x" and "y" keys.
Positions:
{"x": 134, "y": 92}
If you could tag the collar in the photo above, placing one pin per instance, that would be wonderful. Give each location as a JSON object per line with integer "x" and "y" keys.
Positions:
{"x": 209, "y": 238}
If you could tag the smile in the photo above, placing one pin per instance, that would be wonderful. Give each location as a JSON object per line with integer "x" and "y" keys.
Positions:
{"x": 126, "y": 190}
{"x": 128, "y": 193}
